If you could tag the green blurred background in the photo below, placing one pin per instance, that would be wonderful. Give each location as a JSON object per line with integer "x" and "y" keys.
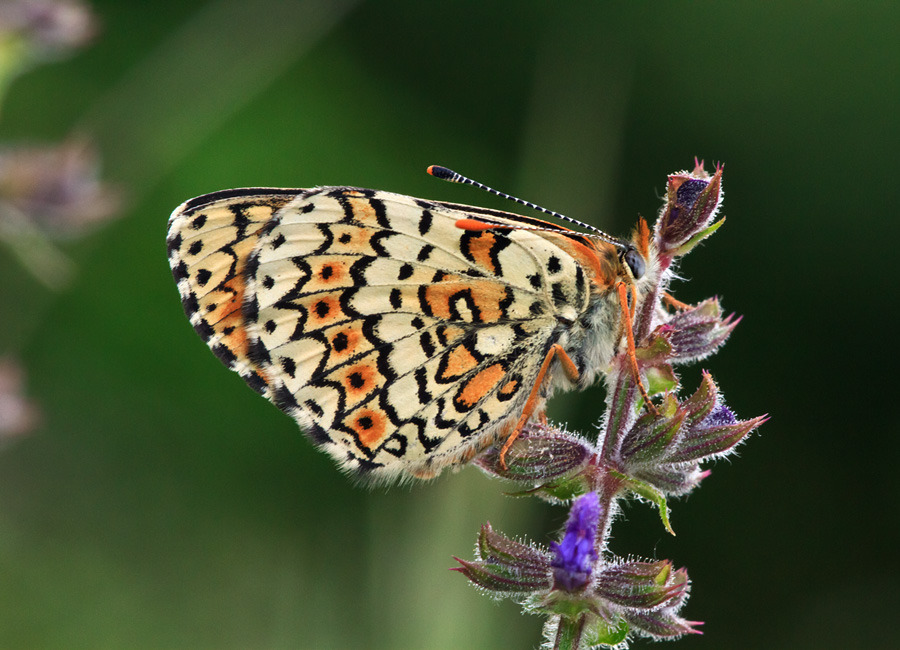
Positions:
{"x": 162, "y": 504}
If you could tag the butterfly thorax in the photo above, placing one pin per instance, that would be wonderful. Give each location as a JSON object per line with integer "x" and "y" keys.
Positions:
{"x": 597, "y": 335}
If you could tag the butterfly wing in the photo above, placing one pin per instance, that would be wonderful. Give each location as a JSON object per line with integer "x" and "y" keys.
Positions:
{"x": 401, "y": 343}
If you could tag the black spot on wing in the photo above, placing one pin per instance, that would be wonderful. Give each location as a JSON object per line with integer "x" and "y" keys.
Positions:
{"x": 255, "y": 381}
{"x": 289, "y": 366}
{"x": 427, "y": 443}
{"x": 421, "y": 377}
{"x": 380, "y": 212}
{"x": 180, "y": 271}
{"x": 224, "y": 354}
{"x": 427, "y": 344}
{"x": 439, "y": 420}
{"x": 173, "y": 244}
{"x": 558, "y": 293}
{"x": 395, "y": 445}
{"x": 466, "y": 430}
{"x": 258, "y": 353}
{"x": 203, "y": 276}
{"x": 425, "y": 222}
{"x": 425, "y": 253}
{"x": 191, "y": 305}
{"x": 318, "y": 435}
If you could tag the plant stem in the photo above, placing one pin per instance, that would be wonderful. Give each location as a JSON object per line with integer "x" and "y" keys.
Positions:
{"x": 569, "y": 633}
{"x": 622, "y": 404}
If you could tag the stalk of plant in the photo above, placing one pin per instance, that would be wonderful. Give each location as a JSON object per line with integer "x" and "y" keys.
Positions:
{"x": 591, "y": 598}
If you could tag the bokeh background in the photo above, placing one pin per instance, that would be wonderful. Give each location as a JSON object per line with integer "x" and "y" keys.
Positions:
{"x": 159, "y": 503}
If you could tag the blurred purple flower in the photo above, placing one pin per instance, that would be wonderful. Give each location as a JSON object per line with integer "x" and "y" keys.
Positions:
{"x": 18, "y": 415}
{"x": 48, "y": 28}
{"x": 57, "y": 188}
{"x": 574, "y": 557}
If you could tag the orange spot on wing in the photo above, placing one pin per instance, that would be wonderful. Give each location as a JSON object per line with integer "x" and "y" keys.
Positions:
{"x": 362, "y": 209}
{"x": 360, "y": 379}
{"x": 486, "y": 297}
{"x": 330, "y": 274}
{"x": 459, "y": 362}
{"x": 227, "y": 317}
{"x": 332, "y": 271}
{"x": 370, "y": 427}
{"x": 509, "y": 388}
{"x": 481, "y": 384}
{"x": 323, "y": 309}
{"x": 345, "y": 342}
{"x": 452, "y": 333}
{"x": 438, "y": 298}
{"x": 227, "y": 320}
{"x": 351, "y": 239}
{"x": 480, "y": 248}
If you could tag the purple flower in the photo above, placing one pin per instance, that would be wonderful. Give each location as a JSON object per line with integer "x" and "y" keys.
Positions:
{"x": 574, "y": 557}
{"x": 720, "y": 416}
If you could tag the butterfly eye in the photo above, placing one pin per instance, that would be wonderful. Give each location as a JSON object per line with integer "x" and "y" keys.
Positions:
{"x": 636, "y": 263}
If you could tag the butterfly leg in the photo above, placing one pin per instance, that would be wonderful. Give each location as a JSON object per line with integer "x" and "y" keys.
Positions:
{"x": 622, "y": 290}
{"x": 556, "y": 350}
{"x": 675, "y": 302}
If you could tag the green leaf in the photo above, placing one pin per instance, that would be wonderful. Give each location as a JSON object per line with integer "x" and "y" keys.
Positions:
{"x": 602, "y": 634}
{"x": 660, "y": 379}
{"x": 656, "y": 350}
{"x": 563, "y": 490}
{"x": 650, "y": 493}
{"x": 687, "y": 246}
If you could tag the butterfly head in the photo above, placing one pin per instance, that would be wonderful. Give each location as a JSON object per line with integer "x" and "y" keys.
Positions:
{"x": 633, "y": 261}
{"x": 637, "y": 258}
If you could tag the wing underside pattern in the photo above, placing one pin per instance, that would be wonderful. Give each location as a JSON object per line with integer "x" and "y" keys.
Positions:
{"x": 398, "y": 341}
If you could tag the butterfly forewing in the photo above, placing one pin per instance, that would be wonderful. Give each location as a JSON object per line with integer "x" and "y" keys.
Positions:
{"x": 400, "y": 342}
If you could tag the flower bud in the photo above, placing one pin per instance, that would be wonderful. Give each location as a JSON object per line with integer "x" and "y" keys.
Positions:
{"x": 715, "y": 436}
{"x": 506, "y": 567}
{"x": 692, "y": 200}
{"x": 651, "y": 437}
{"x": 673, "y": 480}
{"x": 642, "y": 585}
{"x": 540, "y": 454}
{"x": 699, "y": 331}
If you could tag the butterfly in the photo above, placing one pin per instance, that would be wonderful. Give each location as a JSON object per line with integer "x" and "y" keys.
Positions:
{"x": 404, "y": 335}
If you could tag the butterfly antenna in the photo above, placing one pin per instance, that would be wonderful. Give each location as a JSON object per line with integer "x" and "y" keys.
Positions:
{"x": 449, "y": 175}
